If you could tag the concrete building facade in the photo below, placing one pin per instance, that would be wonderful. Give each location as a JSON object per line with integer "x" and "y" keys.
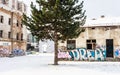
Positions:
{"x": 12, "y": 33}
{"x": 103, "y": 32}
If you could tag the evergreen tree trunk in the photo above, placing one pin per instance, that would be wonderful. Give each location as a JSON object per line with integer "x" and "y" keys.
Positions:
{"x": 56, "y": 50}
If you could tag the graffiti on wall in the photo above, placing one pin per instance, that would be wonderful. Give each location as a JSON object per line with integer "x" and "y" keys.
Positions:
{"x": 62, "y": 54}
{"x": 4, "y": 52}
{"x": 84, "y": 54}
{"x": 117, "y": 52}
{"x": 17, "y": 52}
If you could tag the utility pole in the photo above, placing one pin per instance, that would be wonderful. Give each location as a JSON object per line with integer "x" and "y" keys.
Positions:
{"x": 11, "y": 30}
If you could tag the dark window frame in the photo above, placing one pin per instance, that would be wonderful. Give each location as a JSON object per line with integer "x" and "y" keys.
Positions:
{"x": 71, "y": 44}
{"x": 17, "y": 24}
{"x": 9, "y": 35}
{"x": 91, "y": 44}
{"x": 5, "y": 1}
{"x": 1, "y": 19}
{"x": 21, "y": 36}
{"x": 17, "y": 36}
{"x": 1, "y": 33}
{"x": 9, "y": 21}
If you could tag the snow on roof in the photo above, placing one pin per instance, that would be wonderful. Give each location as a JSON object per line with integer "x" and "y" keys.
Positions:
{"x": 102, "y": 21}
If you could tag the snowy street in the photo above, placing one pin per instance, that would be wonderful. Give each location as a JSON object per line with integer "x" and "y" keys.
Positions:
{"x": 40, "y": 64}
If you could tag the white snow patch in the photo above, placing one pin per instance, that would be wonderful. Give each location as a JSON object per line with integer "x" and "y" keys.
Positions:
{"x": 38, "y": 64}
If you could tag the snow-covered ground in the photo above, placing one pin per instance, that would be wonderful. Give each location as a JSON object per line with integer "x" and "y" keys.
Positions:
{"x": 40, "y": 64}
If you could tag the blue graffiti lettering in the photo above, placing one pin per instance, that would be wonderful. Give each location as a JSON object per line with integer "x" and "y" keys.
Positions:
{"x": 84, "y": 54}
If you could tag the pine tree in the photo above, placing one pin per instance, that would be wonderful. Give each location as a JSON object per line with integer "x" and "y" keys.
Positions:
{"x": 56, "y": 20}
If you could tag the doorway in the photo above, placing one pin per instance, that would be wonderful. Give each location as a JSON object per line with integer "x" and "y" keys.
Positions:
{"x": 109, "y": 48}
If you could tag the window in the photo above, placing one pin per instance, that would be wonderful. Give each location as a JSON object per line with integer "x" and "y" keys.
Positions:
{"x": 19, "y": 6}
{"x": 17, "y": 23}
{"x": 22, "y": 37}
{"x": 93, "y": 28}
{"x": 9, "y": 35}
{"x": 1, "y": 33}
{"x": 1, "y": 19}
{"x": 5, "y": 1}
{"x": 17, "y": 36}
{"x": 71, "y": 44}
{"x": 88, "y": 41}
{"x": 9, "y": 21}
{"x": 93, "y": 41}
{"x": 13, "y": 4}
{"x": 24, "y": 8}
{"x": 91, "y": 44}
{"x": 21, "y": 25}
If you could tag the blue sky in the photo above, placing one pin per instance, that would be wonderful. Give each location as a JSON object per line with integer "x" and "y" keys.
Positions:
{"x": 96, "y": 8}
